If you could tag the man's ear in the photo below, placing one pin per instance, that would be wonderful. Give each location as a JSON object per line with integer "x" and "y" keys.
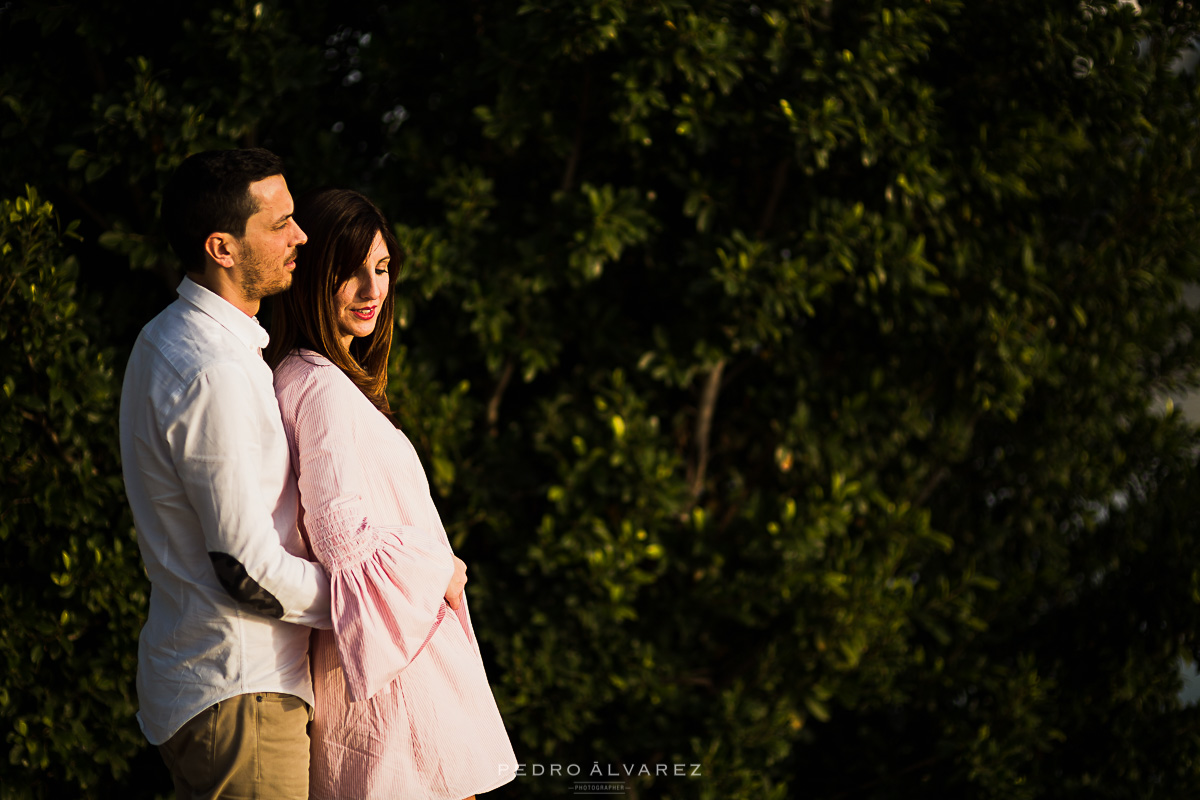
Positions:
{"x": 222, "y": 248}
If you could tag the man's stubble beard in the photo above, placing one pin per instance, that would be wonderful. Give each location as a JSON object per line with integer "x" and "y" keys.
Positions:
{"x": 259, "y": 280}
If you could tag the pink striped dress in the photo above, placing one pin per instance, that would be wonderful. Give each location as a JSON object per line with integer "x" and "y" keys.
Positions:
{"x": 404, "y": 709}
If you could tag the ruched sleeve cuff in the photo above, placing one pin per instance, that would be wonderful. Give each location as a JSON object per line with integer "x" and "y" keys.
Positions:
{"x": 387, "y": 589}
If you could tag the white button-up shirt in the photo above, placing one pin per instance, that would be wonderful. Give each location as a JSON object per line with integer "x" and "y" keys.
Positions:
{"x": 209, "y": 480}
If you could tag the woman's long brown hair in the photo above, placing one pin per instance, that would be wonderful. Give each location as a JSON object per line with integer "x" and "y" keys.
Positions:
{"x": 341, "y": 227}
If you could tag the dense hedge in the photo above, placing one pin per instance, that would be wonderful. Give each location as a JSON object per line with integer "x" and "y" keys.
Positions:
{"x": 72, "y": 591}
{"x": 791, "y": 376}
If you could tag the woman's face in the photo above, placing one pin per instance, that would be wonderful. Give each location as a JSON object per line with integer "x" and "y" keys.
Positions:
{"x": 360, "y": 298}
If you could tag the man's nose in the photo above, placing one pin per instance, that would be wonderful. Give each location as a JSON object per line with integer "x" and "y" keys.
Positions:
{"x": 301, "y": 237}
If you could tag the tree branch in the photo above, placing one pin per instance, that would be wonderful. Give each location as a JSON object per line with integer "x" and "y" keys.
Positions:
{"x": 708, "y": 401}
{"x": 934, "y": 481}
{"x": 780, "y": 180}
{"x": 493, "y": 406}
{"x": 576, "y": 148}
{"x": 942, "y": 472}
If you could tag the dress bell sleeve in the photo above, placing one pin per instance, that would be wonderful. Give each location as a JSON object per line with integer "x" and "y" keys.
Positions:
{"x": 387, "y": 584}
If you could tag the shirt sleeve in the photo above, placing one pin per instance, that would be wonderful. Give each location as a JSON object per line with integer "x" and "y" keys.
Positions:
{"x": 214, "y": 437}
{"x": 387, "y": 583}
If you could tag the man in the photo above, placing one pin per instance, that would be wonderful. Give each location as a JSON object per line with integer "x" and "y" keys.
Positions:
{"x": 223, "y": 677}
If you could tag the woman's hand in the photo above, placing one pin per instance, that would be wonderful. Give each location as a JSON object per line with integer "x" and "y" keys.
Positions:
{"x": 457, "y": 581}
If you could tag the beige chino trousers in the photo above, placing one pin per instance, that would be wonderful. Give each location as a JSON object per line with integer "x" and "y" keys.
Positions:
{"x": 249, "y": 747}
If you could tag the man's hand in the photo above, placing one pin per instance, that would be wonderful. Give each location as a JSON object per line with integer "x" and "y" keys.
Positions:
{"x": 457, "y": 582}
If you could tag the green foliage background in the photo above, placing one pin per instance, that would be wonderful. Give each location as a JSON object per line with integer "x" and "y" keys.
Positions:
{"x": 791, "y": 376}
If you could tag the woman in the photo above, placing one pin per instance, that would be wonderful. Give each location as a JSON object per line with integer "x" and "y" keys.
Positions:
{"x": 403, "y": 705}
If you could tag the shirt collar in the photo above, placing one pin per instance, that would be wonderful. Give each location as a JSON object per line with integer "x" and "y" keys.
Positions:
{"x": 245, "y": 328}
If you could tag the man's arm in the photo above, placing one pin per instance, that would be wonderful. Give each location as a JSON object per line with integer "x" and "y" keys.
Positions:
{"x": 215, "y": 436}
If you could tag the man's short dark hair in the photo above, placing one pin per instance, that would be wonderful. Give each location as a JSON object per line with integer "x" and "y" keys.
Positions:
{"x": 209, "y": 193}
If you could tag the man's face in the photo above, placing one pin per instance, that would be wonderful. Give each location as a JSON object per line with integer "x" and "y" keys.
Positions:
{"x": 268, "y": 248}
